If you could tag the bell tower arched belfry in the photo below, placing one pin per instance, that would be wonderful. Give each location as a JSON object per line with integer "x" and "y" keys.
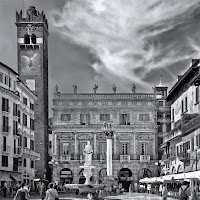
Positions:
{"x": 32, "y": 44}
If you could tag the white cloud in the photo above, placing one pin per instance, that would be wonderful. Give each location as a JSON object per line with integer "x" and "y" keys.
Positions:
{"x": 122, "y": 33}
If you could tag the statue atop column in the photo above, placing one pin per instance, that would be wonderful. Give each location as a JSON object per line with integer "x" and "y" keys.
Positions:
{"x": 56, "y": 89}
{"x": 133, "y": 88}
{"x": 95, "y": 88}
{"x": 114, "y": 88}
{"x": 88, "y": 154}
{"x": 107, "y": 129}
{"x": 75, "y": 88}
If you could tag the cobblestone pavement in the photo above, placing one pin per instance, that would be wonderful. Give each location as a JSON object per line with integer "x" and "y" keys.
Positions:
{"x": 67, "y": 196}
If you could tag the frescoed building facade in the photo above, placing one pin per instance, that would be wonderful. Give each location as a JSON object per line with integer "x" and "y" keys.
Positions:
{"x": 78, "y": 118}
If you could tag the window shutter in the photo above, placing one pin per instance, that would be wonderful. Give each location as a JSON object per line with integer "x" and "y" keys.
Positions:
{"x": 128, "y": 119}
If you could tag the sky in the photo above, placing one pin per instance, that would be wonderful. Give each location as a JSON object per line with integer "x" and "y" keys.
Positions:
{"x": 105, "y": 42}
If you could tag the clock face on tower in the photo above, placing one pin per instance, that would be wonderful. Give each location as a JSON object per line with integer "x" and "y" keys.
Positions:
{"x": 30, "y": 61}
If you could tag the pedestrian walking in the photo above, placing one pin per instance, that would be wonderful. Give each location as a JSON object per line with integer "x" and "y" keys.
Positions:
{"x": 160, "y": 189}
{"x": 184, "y": 191}
{"x": 42, "y": 190}
{"x": 149, "y": 188}
{"x": 22, "y": 193}
{"x": 194, "y": 195}
{"x": 164, "y": 192}
{"x": 51, "y": 193}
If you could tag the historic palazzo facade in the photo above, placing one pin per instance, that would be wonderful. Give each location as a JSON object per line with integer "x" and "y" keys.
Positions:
{"x": 78, "y": 117}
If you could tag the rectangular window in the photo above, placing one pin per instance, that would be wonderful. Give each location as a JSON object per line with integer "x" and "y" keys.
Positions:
{"x": 24, "y": 162}
{"x": 125, "y": 148}
{"x": 65, "y": 148}
{"x": 5, "y": 104}
{"x": 124, "y": 119}
{"x": 6, "y": 80}
{"x": 15, "y": 127}
{"x": 82, "y": 146}
{"x": 32, "y": 145}
{"x": 4, "y": 143}
{"x": 160, "y": 103}
{"x": 1, "y": 77}
{"x": 32, "y": 164}
{"x": 5, "y": 124}
{"x": 104, "y": 117}
{"x": 168, "y": 127}
{"x": 19, "y": 116}
{"x": 186, "y": 104}
{"x": 50, "y": 144}
{"x": 144, "y": 146}
{"x": 103, "y": 148}
{"x": 182, "y": 106}
{"x": 144, "y": 117}
{"x": 65, "y": 117}
{"x": 20, "y": 141}
{"x": 4, "y": 161}
{"x": 197, "y": 94}
{"x": 9, "y": 82}
{"x": 173, "y": 114}
{"x": 14, "y": 109}
{"x": 24, "y": 119}
{"x": 25, "y": 100}
{"x": 192, "y": 144}
{"x": 31, "y": 106}
{"x": 84, "y": 119}
{"x": 25, "y": 141}
{"x": 160, "y": 127}
{"x": 32, "y": 124}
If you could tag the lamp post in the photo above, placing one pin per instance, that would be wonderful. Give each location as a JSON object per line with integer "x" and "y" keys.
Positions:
{"x": 107, "y": 129}
{"x": 159, "y": 164}
{"x": 197, "y": 152}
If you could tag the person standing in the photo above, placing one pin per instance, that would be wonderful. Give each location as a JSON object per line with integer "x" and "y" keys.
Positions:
{"x": 194, "y": 195}
{"x": 51, "y": 193}
{"x": 42, "y": 190}
{"x": 5, "y": 188}
{"x": 164, "y": 192}
{"x": 184, "y": 191}
{"x": 90, "y": 196}
{"x": 160, "y": 189}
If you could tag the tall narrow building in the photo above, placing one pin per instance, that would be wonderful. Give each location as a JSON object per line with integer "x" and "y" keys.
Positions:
{"x": 32, "y": 43}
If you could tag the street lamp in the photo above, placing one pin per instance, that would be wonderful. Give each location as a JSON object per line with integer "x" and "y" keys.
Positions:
{"x": 197, "y": 151}
{"x": 159, "y": 164}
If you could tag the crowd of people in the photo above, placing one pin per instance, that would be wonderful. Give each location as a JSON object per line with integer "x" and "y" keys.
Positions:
{"x": 183, "y": 191}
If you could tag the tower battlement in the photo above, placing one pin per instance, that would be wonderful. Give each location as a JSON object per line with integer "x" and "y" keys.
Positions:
{"x": 32, "y": 15}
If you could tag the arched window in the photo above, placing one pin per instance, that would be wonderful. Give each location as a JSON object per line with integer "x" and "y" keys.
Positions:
{"x": 33, "y": 39}
{"x": 26, "y": 39}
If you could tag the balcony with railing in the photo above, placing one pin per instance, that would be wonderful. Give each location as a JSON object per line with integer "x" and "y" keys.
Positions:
{"x": 16, "y": 151}
{"x": 5, "y": 149}
{"x": 24, "y": 151}
{"x": 5, "y": 109}
{"x": 183, "y": 156}
{"x": 145, "y": 158}
{"x": 125, "y": 158}
{"x": 65, "y": 158}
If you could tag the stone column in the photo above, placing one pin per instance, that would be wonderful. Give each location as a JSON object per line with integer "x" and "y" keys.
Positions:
{"x": 55, "y": 144}
{"x": 109, "y": 156}
{"x": 134, "y": 145}
{"x": 75, "y": 145}
{"x": 115, "y": 145}
{"x": 95, "y": 145}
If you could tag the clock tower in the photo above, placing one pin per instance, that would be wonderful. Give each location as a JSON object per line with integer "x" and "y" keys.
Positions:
{"x": 32, "y": 44}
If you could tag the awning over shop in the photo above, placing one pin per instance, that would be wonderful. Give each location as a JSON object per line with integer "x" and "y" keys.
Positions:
{"x": 5, "y": 177}
{"x": 172, "y": 177}
{"x": 16, "y": 177}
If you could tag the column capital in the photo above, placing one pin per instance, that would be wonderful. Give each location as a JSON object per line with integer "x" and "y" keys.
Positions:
{"x": 109, "y": 134}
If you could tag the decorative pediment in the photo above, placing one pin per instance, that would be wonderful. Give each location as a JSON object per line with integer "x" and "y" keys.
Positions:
{"x": 124, "y": 136}
{"x": 143, "y": 136}
{"x": 101, "y": 137}
{"x": 85, "y": 136}
{"x": 65, "y": 136}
